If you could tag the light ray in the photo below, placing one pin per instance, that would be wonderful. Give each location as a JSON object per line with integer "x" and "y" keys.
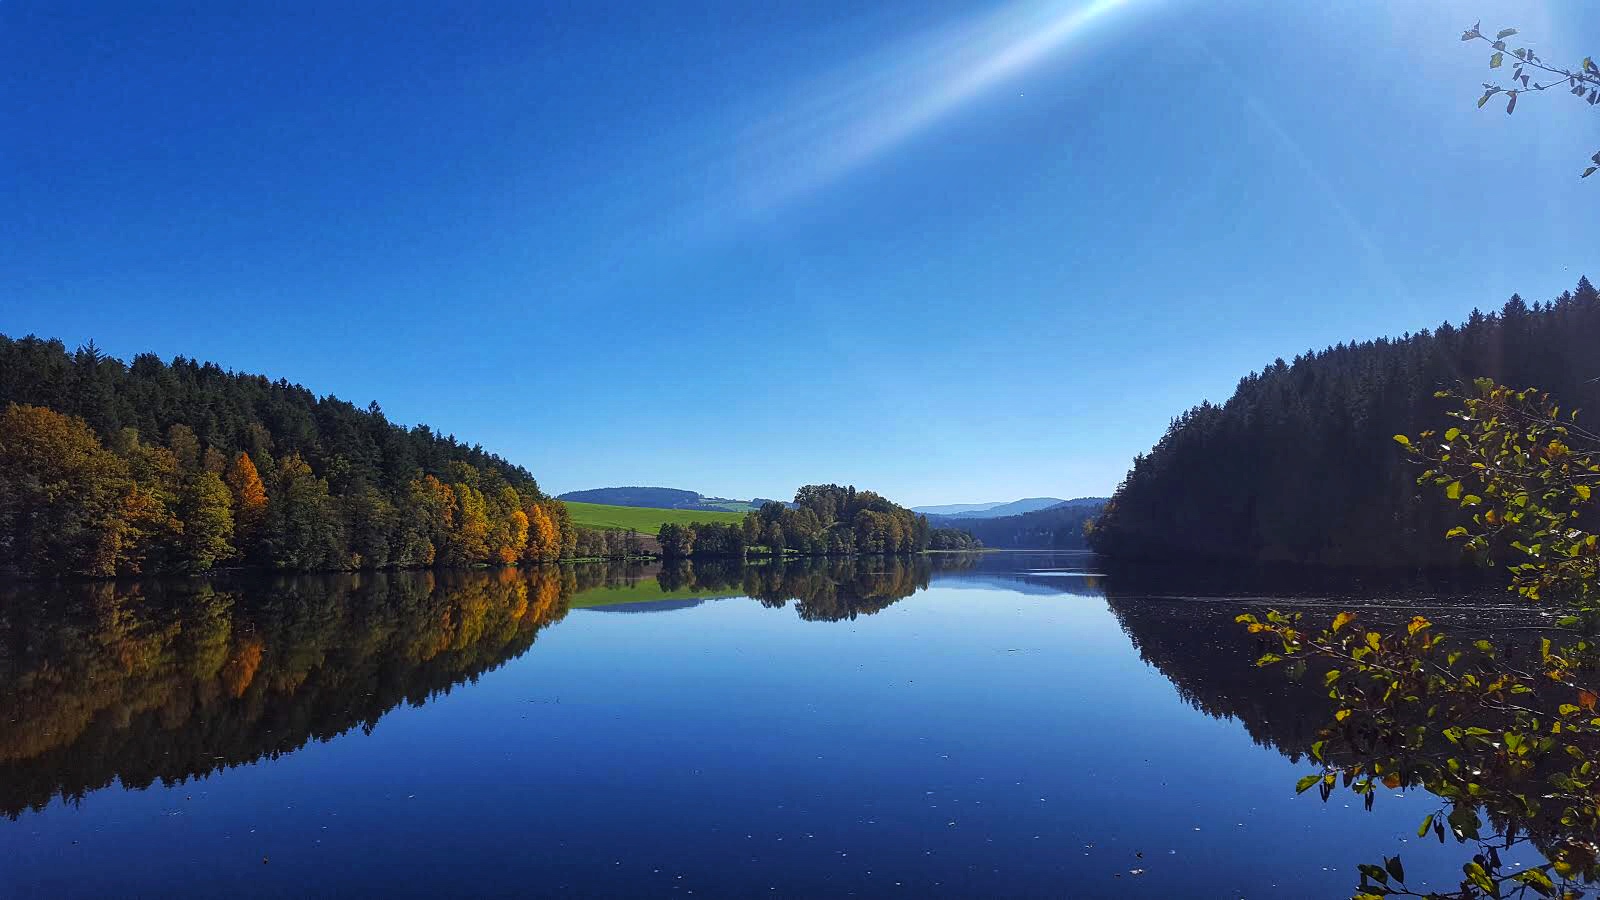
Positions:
{"x": 864, "y": 113}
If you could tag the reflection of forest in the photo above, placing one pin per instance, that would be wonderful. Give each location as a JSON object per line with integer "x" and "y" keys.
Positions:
{"x": 1197, "y": 645}
{"x": 1195, "y": 642}
{"x": 164, "y": 680}
{"x": 824, "y": 589}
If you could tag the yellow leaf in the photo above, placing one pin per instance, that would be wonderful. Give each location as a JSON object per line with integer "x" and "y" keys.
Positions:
{"x": 1342, "y": 619}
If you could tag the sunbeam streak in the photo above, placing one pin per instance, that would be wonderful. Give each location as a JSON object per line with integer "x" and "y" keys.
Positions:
{"x": 867, "y": 112}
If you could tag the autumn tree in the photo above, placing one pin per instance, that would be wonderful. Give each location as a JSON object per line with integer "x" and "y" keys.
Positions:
{"x": 544, "y": 538}
{"x": 206, "y": 512}
{"x": 60, "y": 493}
{"x": 249, "y": 499}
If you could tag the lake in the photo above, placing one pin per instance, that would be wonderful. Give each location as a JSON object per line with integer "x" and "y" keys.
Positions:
{"x": 1006, "y": 724}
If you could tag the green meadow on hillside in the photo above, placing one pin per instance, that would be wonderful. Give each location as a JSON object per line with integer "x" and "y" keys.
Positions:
{"x": 642, "y": 519}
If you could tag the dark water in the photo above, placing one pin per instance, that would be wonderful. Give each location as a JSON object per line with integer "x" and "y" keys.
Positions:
{"x": 1004, "y": 725}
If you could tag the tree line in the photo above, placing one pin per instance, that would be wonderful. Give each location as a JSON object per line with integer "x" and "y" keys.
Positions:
{"x": 109, "y": 468}
{"x": 824, "y": 520}
{"x": 1298, "y": 466}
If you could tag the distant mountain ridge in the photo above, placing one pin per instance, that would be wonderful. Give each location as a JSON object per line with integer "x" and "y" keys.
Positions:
{"x": 1058, "y": 527}
{"x": 1000, "y": 509}
{"x": 661, "y": 498}
{"x": 952, "y": 509}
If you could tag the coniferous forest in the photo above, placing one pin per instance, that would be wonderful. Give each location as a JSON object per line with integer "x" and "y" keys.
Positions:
{"x": 1299, "y": 465}
{"x": 150, "y": 467}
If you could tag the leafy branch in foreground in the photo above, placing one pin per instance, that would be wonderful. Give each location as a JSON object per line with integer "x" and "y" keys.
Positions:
{"x": 1530, "y": 73}
{"x": 1512, "y": 749}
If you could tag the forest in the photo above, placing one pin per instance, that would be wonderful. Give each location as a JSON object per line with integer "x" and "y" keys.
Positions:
{"x": 825, "y": 520}
{"x": 109, "y": 469}
{"x": 1299, "y": 465}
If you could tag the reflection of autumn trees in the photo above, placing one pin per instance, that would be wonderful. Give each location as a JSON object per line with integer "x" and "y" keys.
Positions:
{"x": 163, "y": 682}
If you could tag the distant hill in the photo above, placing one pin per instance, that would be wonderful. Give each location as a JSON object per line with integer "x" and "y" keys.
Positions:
{"x": 1000, "y": 508}
{"x": 1058, "y": 527}
{"x": 950, "y": 509}
{"x": 659, "y": 498}
{"x": 1014, "y": 508}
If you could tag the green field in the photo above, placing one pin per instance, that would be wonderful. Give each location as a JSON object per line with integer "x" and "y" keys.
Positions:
{"x": 642, "y": 519}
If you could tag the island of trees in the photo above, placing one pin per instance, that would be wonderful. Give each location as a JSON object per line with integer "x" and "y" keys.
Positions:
{"x": 824, "y": 520}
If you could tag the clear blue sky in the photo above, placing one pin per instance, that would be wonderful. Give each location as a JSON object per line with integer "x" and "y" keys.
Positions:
{"x": 950, "y": 251}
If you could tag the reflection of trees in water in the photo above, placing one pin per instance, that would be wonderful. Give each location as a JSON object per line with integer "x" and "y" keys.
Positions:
{"x": 1183, "y": 622}
{"x": 164, "y": 681}
{"x": 1197, "y": 645}
{"x": 826, "y": 589}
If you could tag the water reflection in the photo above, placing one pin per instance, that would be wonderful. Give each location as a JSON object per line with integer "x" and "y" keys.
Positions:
{"x": 163, "y": 681}
{"x": 1012, "y": 730}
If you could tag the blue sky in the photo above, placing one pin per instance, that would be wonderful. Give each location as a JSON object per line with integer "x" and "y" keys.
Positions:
{"x": 950, "y": 251}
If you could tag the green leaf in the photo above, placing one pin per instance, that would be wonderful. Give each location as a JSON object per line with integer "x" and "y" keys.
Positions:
{"x": 1402, "y": 440}
{"x": 1583, "y": 491}
{"x": 1505, "y": 33}
{"x": 1453, "y": 491}
{"x": 1422, "y": 831}
{"x": 1451, "y": 434}
{"x": 1496, "y": 59}
{"x": 1304, "y": 784}
{"x": 1480, "y": 878}
{"x": 1538, "y": 880}
{"x": 1456, "y": 532}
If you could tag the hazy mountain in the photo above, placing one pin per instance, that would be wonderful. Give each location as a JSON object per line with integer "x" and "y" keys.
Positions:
{"x": 950, "y": 509}
{"x": 1057, "y": 527}
{"x": 1002, "y": 508}
{"x": 658, "y": 498}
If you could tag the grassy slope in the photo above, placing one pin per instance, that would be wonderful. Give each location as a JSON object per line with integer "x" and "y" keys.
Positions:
{"x": 642, "y": 519}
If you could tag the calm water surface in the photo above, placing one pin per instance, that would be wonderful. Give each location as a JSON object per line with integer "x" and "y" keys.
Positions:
{"x": 1010, "y": 724}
